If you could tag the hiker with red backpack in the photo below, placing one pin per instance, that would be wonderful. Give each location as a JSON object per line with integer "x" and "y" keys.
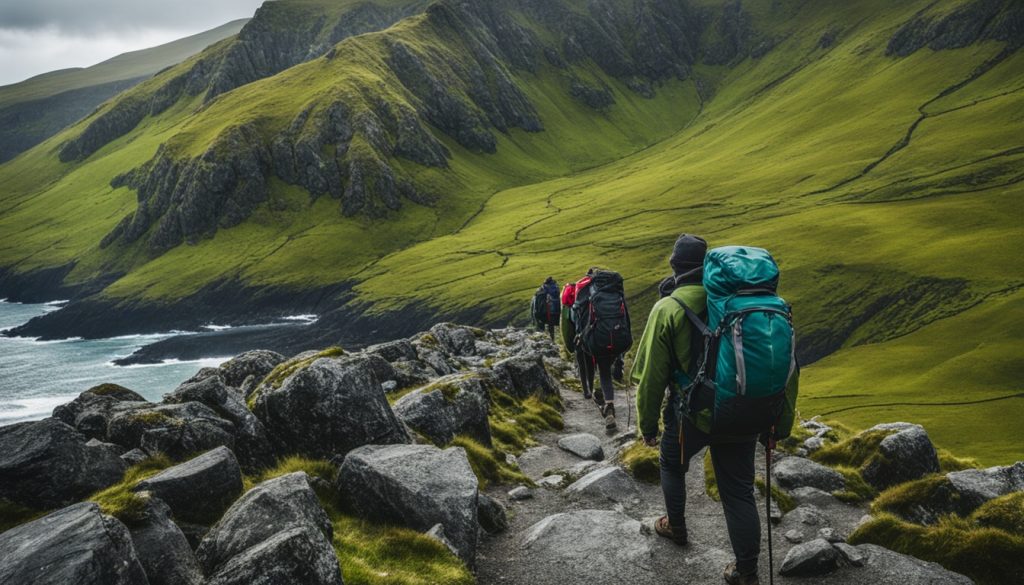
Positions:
{"x": 601, "y": 335}
{"x": 546, "y": 308}
{"x": 722, "y": 342}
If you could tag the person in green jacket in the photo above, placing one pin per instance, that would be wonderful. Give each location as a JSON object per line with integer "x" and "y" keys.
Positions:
{"x": 666, "y": 341}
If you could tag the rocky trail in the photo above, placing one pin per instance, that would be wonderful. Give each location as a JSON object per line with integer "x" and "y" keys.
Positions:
{"x": 274, "y": 471}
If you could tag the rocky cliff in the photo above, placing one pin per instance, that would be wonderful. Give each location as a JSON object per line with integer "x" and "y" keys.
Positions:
{"x": 429, "y": 433}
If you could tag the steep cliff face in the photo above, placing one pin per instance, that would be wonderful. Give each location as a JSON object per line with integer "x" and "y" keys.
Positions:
{"x": 998, "y": 20}
{"x": 346, "y": 146}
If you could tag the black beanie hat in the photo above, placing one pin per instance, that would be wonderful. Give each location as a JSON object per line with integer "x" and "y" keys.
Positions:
{"x": 688, "y": 253}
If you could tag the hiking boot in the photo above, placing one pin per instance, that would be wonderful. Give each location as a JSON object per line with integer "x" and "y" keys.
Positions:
{"x": 734, "y": 577}
{"x": 609, "y": 416}
{"x": 676, "y": 534}
{"x": 599, "y": 401}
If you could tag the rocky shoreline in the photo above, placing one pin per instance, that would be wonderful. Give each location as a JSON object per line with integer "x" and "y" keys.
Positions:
{"x": 472, "y": 437}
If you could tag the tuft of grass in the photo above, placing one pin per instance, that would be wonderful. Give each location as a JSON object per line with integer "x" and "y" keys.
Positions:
{"x": 903, "y": 498}
{"x": 710, "y": 483}
{"x": 642, "y": 462}
{"x": 855, "y": 452}
{"x": 280, "y": 373}
{"x": 857, "y": 490}
{"x": 120, "y": 501}
{"x": 795, "y": 440}
{"x": 12, "y": 515}
{"x": 108, "y": 389}
{"x": 152, "y": 418}
{"x": 785, "y": 501}
{"x": 987, "y": 555}
{"x": 313, "y": 467}
{"x": 372, "y": 554}
{"x": 489, "y": 464}
{"x": 514, "y": 421}
{"x": 1005, "y": 513}
{"x": 949, "y": 462}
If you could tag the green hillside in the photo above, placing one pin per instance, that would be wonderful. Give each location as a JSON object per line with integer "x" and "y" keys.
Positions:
{"x": 37, "y": 108}
{"x": 438, "y": 166}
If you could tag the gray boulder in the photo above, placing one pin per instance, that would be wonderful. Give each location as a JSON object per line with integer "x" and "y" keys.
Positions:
{"x": 176, "y": 430}
{"x": 91, "y": 411}
{"x": 455, "y": 339}
{"x": 450, "y": 406}
{"x": 582, "y": 445}
{"x": 797, "y": 472}
{"x": 251, "y": 444}
{"x": 77, "y": 545}
{"x": 297, "y": 555}
{"x": 416, "y": 486}
{"x": 409, "y": 373}
{"x": 524, "y": 375}
{"x": 905, "y": 455}
{"x": 394, "y": 351}
{"x": 812, "y": 495}
{"x": 885, "y": 567}
{"x": 200, "y": 489}
{"x": 162, "y": 548}
{"x": 520, "y": 493}
{"x": 611, "y": 483}
{"x": 491, "y": 514}
{"x": 328, "y": 408}
{"x": 134, "y": 457}
{"x": 590, "y": 545}
{"x": 258, "y": 363}
{"x": 977, "y": 486}
{"x": 816, "y": 557}
{"x": 47, "y": 464}
{"x": 849, "y": 554}
{"x": 274, "y": 506}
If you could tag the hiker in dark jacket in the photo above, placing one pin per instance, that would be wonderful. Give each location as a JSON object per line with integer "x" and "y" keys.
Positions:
{"x": 545, "y": 307}
{"x": 667, "y": 341}
{"x": 588, "y": 365}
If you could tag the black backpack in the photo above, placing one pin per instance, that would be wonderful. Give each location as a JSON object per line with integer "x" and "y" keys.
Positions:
{"x": 601, "y": 317}
{"x": 546, "y": 308}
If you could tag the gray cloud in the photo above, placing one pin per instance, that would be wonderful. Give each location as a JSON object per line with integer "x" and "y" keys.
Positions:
{"x": 105, "y": 16}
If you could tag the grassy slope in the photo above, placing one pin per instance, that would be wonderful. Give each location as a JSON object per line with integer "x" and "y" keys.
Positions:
{"x": 760, "y": 165}
{"x": 125, "y": 66}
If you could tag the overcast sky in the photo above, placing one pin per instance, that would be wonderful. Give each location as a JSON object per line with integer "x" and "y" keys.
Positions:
{"x": 37, "y": 36}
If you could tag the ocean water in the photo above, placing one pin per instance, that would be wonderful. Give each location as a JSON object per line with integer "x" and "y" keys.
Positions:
{"x": 36, "y": 376}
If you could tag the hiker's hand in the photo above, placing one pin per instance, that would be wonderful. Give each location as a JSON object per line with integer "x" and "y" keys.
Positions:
{"x": 651, "y": 441}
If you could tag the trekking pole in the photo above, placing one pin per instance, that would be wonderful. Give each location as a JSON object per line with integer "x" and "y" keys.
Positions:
{"x": 770, "y": 444}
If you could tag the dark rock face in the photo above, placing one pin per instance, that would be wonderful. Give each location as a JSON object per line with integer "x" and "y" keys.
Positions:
{"x": 273, "y": 507}
{"x": 450, "y": 406}
{"x": 523, "y": 375}
{"x": 162, "y": 548}
{"x": 177, "y": 430}
{"x": 905, "y": 455}
{"x": 299, "y": 555}
{"x": 200, "y": 489}
{"x": 91, "y": 412}
{"x": 491, "y": 514}
{"x": 257, "y": 363}
{"x": 797, "y": 472}
{"x": 393, "y": 351}
{"x": 809, "y": 559}
{"x": 251, "y": 444}
{"x": 977, "y": 486}
{"x": 1000, "y": 20}
{"x": 47, "y": 464}
{"x": 455, "y": 339}
{"x": 598, "y": 98}
{"x": 76, "y": 545}
{"x": 328, "y": 408}
{"x": 417, "y": 486}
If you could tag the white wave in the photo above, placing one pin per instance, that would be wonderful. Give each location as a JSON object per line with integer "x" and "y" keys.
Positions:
{"x": 209, "y": 362}
{"x": 305, "y": 318}
{"x": 57, "y": 303}
{"x": 213, "y": 327}
{"x": 24, "y": 409}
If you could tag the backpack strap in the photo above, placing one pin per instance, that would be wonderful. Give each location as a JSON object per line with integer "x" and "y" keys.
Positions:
{"x": 693, "y": 317}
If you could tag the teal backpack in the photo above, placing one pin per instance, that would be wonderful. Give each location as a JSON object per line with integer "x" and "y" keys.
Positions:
{"x": 749, "y": 356}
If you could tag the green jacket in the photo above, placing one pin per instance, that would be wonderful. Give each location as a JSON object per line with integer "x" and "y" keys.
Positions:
{"x": 667, "y": 329}
{"x": 568, "y": 329}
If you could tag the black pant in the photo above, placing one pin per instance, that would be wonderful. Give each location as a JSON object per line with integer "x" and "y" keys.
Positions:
{"x": 550, "y": 328}
{"x": 604, "y": 369}
{"x": 734, "y": 472}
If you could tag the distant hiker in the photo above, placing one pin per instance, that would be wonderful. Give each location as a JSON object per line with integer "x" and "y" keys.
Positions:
{"x": 546, "y": 308}
{"x": 601, "y": 335}
{"x": 565, "y": 322}
{"x": 744, "y": 391}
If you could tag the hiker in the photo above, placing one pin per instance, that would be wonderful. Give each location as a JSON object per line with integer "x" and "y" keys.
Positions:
{"x": 546, "y": 308}
{"x": 718, "y": 403}
{"x": 602, "y": 335}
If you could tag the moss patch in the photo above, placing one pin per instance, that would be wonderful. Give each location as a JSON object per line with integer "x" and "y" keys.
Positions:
{"x": 855, "y": 452}
{"x": 489, "y": 464}
{"x": 280, "y": 373}
{"x": 12, "y": 515}
{"x": 949, "y": 462}
{"x": 152, "y": 418}
{"x": 120, "y": 501}
{"x": 785, "y": 502}
{"x": 988, "y": 555}
{"x": 108, "y": 389}
{"x": 642, "y": 462}
{"x": 1005, "y": 513}
{"x": 857, "y": 490}
{"x": 710, "y": 483}
{"x": 313, "y": 467}
{"x": 514, "y": 421}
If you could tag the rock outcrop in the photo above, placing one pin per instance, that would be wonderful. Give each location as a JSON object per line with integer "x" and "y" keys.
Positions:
{"x": 417, "y": 486}
{"x": 977, "y": 486}
{"x": 91, "y": 412}
{"x": 257, "y": 363}
{"x": 162, "y": 548}
{"x": 450, "y": 406}
{"x": 176, "y": 430}
{"x": 905, "y": 455}
{"x": 200, "y": 489}
{"x": 47, "y": 464}
{"x": 797, "y": 472}
{"x": 77, "y": 544}
{"x": 328, "y": 408}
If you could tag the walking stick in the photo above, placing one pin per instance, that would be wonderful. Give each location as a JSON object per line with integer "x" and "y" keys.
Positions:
{"x": 770, "y": 444}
